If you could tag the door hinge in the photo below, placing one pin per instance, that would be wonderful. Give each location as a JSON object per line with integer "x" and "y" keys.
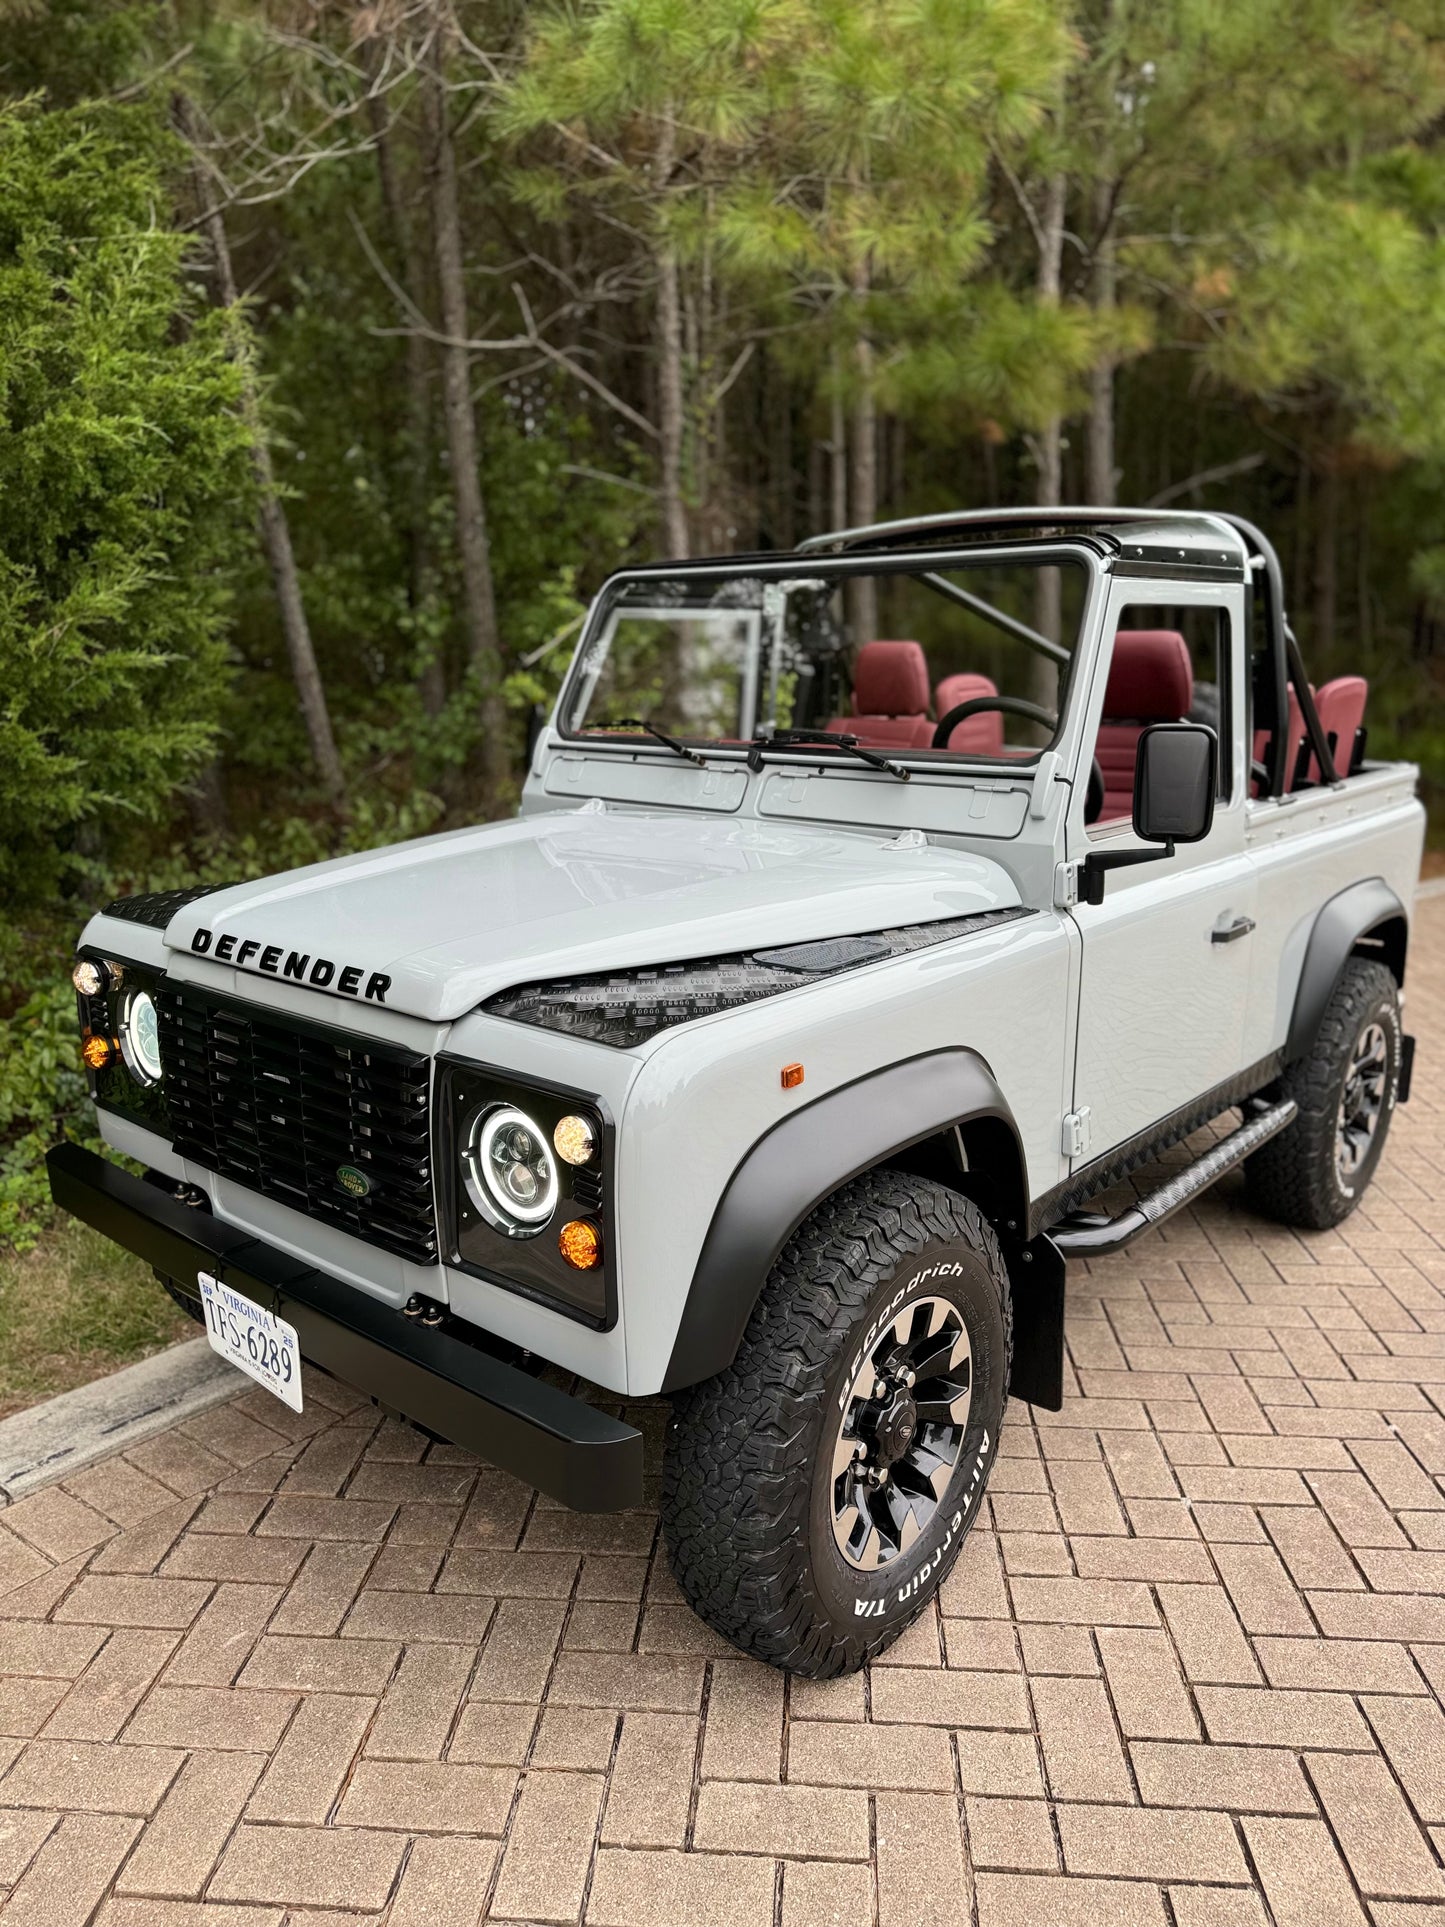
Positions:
{"x": 1077, "y": 1131}
{"x": 1066, "y": 885}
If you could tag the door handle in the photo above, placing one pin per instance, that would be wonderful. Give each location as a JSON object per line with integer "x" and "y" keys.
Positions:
{"x": 1241, "y": 927}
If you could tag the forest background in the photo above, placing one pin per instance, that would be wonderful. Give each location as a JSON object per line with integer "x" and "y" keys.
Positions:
{"x": 346, "y": 348}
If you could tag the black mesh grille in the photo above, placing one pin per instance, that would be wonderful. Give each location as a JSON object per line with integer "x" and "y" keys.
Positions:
{"x": 300, "y": 1115}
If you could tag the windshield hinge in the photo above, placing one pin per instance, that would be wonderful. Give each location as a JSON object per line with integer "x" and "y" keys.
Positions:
{"x": 1077, "y": 1131}
{"x": 1045, "y": 775}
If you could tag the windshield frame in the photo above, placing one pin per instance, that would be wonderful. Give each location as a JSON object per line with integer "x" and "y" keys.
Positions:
{"x": 1091, "y": 555}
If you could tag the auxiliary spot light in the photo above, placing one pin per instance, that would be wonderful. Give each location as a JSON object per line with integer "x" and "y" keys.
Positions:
{"x": 575, "y": 1140}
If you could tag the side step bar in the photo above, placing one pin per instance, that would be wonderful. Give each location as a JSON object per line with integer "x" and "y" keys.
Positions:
{"x": 1090, "y": 1235}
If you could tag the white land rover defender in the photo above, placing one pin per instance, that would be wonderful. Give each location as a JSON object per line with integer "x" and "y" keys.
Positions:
{"x": 853, "y": 933}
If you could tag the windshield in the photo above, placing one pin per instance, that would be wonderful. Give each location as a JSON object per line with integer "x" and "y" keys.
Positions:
{"x": 716, "y": 658}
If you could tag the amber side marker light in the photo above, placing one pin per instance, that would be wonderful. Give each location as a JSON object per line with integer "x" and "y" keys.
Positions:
{"x": 97, "y": 1051}
{"x": 792, "y": 1076}
{"x": 580, "y": 1243}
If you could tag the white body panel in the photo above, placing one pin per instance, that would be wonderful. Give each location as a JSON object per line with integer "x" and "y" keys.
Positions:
{"x": 450, "y": 919}
{"x": 1125, "y": 1008}
{"x": 1162, "y": 1005}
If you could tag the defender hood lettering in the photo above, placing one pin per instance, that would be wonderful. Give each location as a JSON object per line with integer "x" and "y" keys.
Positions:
{"x": 433, "y": 927}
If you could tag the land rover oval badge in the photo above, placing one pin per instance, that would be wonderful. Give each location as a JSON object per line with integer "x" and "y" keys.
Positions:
{"x": 355, "y": 1183}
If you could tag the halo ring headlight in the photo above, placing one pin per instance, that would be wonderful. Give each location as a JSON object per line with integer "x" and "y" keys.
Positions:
{"x": 140, "y": 1038}
{"x": 509, "y": 1170}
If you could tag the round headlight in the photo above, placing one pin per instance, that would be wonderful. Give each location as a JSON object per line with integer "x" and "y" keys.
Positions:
{"x": 509, "y": 1171}
{"x": 140, "y": 1037}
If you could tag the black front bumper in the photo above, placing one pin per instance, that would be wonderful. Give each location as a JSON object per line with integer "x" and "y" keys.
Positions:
{"x": 569, "y": 1449}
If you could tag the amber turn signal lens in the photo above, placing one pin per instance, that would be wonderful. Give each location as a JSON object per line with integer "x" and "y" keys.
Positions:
{"x": 97, "y": 1051}
{"x": 792, "y": 1076}
{"x": 580, "y": 1244}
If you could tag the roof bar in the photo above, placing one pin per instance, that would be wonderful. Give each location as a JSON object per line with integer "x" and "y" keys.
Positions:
{"x": 1074, "y": 516}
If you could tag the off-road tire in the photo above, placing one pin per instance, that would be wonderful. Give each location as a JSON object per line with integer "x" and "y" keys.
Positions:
{"x": 189, "y": 1301}
{"x": 746, "y": 1504}
{"x": 1294, "y": 1178}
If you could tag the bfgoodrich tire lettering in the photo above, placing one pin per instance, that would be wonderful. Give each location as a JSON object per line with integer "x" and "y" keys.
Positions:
{"x": 1300, "y": 1177}
{"x": 749, "y": 1477}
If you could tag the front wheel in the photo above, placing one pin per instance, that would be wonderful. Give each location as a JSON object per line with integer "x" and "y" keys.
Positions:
{"x": 817, "y": 1492}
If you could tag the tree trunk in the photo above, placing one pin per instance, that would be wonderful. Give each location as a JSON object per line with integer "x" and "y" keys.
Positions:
{"x": 671, "y": 409}
{"x": 1102, "y": 478}
{"x": 1050, "y": 445}
{"x": 474, "y": 553}
{"x": 407, "y": 253}
{"x": 271, "y": 514}
{"x": 778, "y": 401}
{"x": 863, "y": 590}
{"x": 837, "y": 458}
{"x": 1327, "y": 535}
{"x": 207, "y": 799}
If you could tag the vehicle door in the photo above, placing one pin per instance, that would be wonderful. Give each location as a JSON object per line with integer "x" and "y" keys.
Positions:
{"x": 1165, "y": 957}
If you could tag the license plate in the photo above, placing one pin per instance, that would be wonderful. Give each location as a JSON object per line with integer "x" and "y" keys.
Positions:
{"x": 263, "y": 1346}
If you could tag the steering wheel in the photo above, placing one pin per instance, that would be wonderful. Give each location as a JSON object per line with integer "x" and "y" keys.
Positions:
{"x": 1035, "y": 713}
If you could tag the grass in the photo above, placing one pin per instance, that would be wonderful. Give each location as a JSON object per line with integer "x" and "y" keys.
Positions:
{"x": 73, "y": 1309}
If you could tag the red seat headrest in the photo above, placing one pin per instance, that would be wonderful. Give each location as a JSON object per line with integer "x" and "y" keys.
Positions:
{"x": 966, "y": 687}
{"x": 890, "y": 679}
{"x": 1341, "y": 704}
{"x": 980, "y": 735}
{"x": 1150, "y": 678}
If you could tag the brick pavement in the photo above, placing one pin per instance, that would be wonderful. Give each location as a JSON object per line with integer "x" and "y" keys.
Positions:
{"x": 1190, "y": 1669}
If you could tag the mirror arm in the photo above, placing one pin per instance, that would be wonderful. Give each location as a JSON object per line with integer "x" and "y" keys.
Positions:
{"x": 1098, "y": 863}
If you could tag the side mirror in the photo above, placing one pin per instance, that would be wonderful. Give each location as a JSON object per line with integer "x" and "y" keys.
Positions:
{"x": 1174, "y": 782}
{"x": 1173, "y": 800}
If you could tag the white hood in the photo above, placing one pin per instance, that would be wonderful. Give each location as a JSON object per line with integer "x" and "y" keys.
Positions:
{"x": 433, "y": 927}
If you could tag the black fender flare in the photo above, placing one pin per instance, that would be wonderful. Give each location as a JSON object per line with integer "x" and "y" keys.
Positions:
{"x": 1338, "y": 927}
{"x": 803, "y": 1159}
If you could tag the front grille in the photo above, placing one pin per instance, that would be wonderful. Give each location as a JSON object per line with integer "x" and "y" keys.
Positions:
{"x": 286, "y": 1110}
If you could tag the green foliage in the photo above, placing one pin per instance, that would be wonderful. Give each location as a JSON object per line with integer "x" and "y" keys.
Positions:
{"x": 849, "y": 194}
{"x": 43, "y": 1097}
{"x": 120, "y": 478}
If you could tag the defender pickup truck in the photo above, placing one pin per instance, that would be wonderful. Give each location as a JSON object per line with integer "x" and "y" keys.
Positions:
{"x": 871, "y": 910}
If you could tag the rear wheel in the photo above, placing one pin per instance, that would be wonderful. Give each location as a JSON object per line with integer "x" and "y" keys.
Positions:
{"x": 1315, "y": 1172}
{"x": 816, "y": 1493}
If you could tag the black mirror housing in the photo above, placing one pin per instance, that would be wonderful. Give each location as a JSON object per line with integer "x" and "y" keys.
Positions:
{"x": 1174, "y": 782}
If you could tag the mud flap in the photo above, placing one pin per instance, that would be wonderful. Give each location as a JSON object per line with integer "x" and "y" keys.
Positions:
{"x": 1036, "y": 1274}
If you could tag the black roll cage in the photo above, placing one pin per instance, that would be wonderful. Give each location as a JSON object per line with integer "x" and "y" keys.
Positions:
{"x": 1286, "y": 661}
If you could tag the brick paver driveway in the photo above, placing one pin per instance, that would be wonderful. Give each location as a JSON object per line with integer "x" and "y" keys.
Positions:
{"x": 1190, "y": 1669}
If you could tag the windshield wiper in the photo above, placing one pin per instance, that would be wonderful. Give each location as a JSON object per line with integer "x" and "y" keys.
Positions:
{"x": 651, "y": 729}
{"x": 825, "y": 739}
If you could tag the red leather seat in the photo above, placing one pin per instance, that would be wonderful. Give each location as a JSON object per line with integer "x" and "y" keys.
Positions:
{"x": 890, "y": 698}
{"x": 1341, "y": 704}
{"x": 1295, "y": 734}
{"x": 980, "y": 735}
{"x": 1150, "y": 681}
